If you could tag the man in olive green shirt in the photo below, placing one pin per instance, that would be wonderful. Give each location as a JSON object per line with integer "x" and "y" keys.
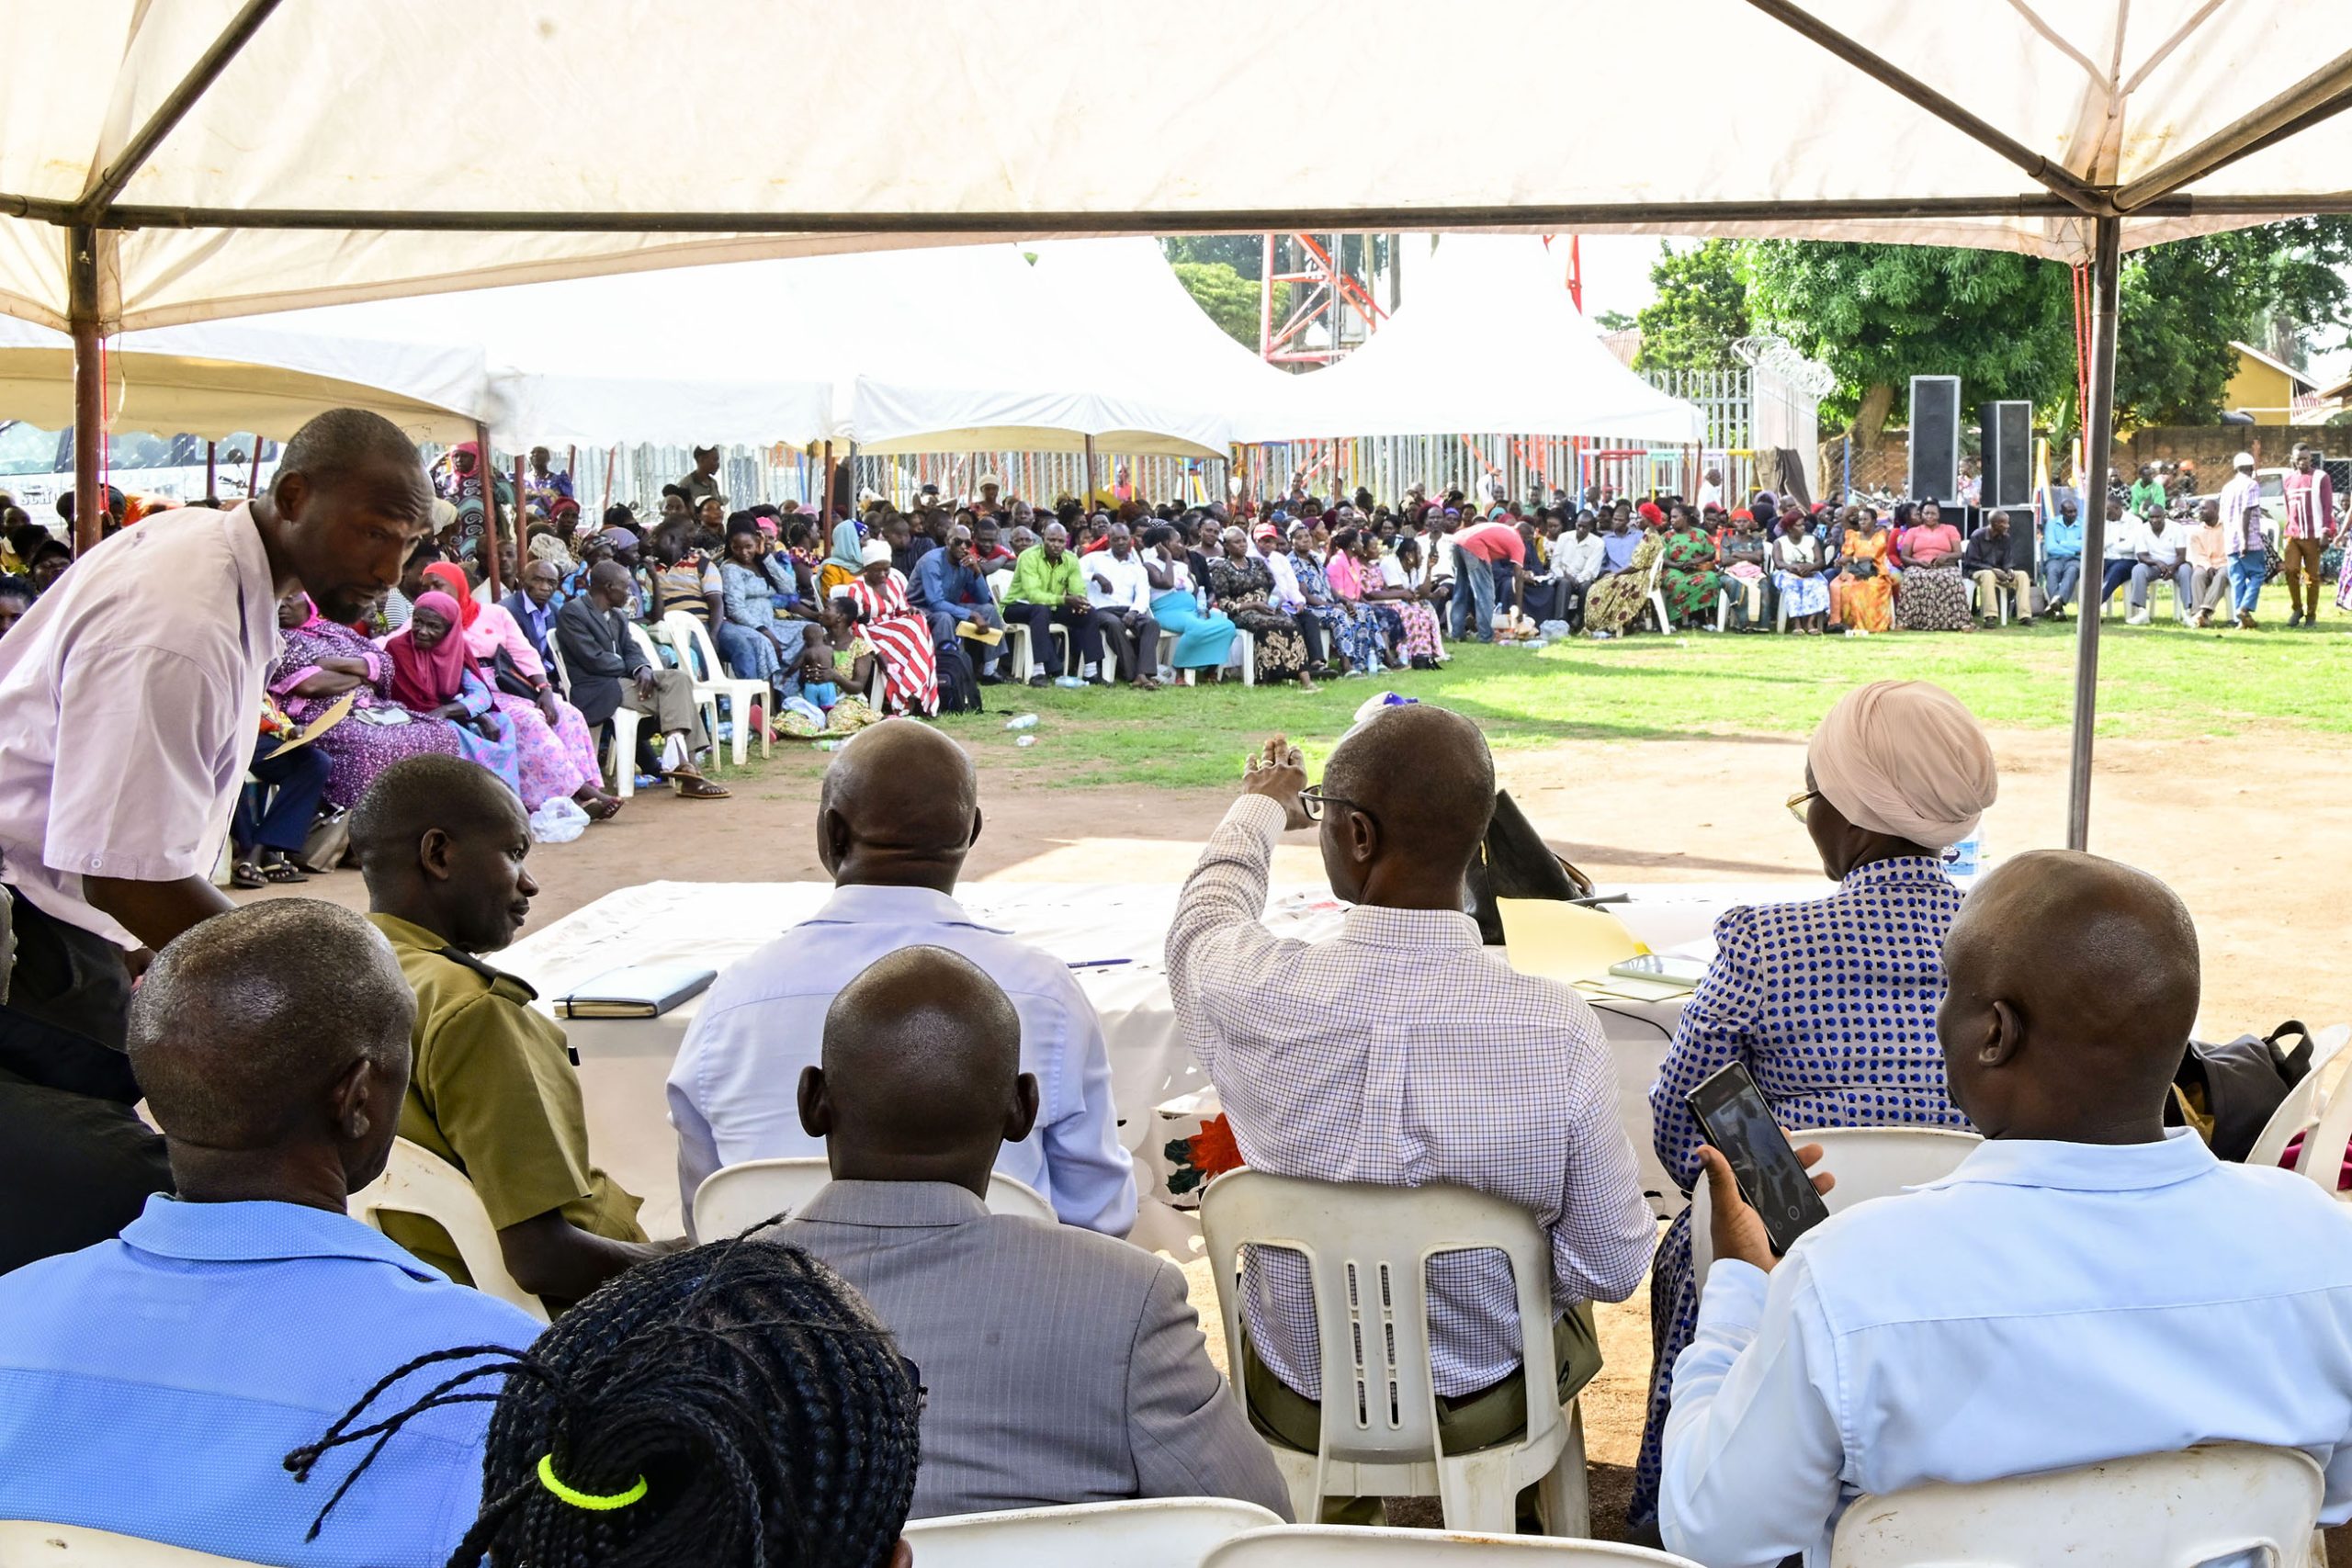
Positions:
{"x": 1047, "y": 591}
{"x": 495, "y": 1089}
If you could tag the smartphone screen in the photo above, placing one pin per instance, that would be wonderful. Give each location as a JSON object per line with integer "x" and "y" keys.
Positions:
{"x": 1731, "y": 1109}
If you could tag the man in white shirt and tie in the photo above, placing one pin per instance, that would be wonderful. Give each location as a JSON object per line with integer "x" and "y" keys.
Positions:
{"x": 900, "y": 811}
{"x": 2087, "y": 1285}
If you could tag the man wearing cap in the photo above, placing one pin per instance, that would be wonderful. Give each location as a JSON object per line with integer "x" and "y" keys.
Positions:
{"x": 2310, "y": 525}
{"x": 2241, "y": 502}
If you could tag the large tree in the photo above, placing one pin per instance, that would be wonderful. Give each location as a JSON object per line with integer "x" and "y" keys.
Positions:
{"x": 1878, "y": 315}
{"x": 1701, "y": 309}
{"x": 2184, "y": 302}
{"x": 1230, "y": 299}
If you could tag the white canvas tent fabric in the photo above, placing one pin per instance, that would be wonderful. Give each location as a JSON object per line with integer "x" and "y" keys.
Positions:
{"x": 1486, "y": 341}
{"x": 787, "y": 125}
{"x": 910, "y": 351}
{"x": 1138, "y": 313}
{"x": 214, "y": 379}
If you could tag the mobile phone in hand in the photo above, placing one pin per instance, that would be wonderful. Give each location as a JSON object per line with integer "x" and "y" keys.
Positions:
{"x": 1731, "y": 1110}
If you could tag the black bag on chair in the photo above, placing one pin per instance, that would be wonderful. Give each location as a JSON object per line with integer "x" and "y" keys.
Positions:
{"x": 1515, "y": 862}
{"x": 2228, "y": 1091}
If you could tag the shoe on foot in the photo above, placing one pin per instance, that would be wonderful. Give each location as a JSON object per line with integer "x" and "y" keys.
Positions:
{"x": 1041, "y": 680}
{"x": 2137, "y": 618}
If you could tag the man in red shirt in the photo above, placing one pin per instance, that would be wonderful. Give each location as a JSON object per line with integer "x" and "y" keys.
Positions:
{"x": 2309, "y": 524}
{"x": 1479, "y": 551}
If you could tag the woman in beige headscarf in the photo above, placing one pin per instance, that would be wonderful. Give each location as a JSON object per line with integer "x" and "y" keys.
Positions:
{"x": 1830, "y": 1002}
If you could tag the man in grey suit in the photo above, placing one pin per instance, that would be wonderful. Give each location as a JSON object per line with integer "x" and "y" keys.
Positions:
{"x": 1059, "y": 1366}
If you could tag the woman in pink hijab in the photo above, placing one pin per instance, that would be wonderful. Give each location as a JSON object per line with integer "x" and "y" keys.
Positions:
{"x": 555, "y": 755}
{"x": 433, "y": 677}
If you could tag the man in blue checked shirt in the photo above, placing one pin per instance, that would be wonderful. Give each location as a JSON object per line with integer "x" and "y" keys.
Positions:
{"x": 152, "y": 1385}
{"x": 2062, "y": 557}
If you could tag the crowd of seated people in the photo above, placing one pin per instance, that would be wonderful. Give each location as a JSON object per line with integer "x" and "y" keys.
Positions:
{"x": 701, "y": 1403}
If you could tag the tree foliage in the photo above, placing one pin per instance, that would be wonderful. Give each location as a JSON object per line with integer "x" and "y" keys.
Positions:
{"x": 1228, "y": 299}
{"x": 1878, "y": 315}
{"x": 1701, "y": 309}
{"x": 2183, "y": 302}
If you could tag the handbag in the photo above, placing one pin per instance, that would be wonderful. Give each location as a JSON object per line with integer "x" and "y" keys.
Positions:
{"x": 509, "y": 680}
{"x": 1515, "y": 862}
{"x": 2228, "y": 1092}
{"x": 328, "y": 841}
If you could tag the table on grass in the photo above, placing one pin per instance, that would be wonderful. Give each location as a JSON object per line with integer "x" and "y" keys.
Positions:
{"x": 625, "y": 1062}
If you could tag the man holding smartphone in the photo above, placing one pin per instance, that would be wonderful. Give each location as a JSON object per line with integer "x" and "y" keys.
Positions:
{"x": 2087, "y": 1285}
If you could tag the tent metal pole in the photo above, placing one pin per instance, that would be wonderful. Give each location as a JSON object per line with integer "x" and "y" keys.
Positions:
{"x": 173, "y": 109}
{"x": 89, "y": 387}
{"x": 2316, "y": 97}
{"x": 825, "y": 507}
{"x": 1090, "y": 473}
{"x": 489, "y": 472}
{"x": 211, "y": 468}
{"x": 2098, "y": 442}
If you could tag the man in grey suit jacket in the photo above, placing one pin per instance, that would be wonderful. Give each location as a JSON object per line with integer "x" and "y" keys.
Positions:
{"x": 1059, "y": 1366}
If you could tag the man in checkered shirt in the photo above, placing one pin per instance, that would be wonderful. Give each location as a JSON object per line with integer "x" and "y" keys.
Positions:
{"x": 1402, "y": 1053}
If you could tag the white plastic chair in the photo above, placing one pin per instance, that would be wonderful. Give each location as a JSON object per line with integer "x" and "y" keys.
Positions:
{"x": 2166, "y": 1510}
{"x": 648, "y": 650}
{"x": 1155, "y": 1532}
{"x": 1355, "y": 1546}
{"x": 1658, "y": 594}
{"x": 737, "y": 1197}
{"x": 1367, "y": 1250}
{"x": 2315, "y": 1110}
{"x": 1976, "y": 599}
{"x": 691, "y": 639}
{"x": 1868, "y": 1162}
{"x": 418, "y": 1181}
{"x": 1017, "y": 651}
{"x": 623, "y": 742}
{"x": 422, "y": 1183}
{"x": 28, "y": 1543}
{"x": 1167, "y": 641}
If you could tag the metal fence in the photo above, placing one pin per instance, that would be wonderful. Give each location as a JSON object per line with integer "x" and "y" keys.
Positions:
{"x": 1726, "y": 399}
{"x": 1523, "y": 466}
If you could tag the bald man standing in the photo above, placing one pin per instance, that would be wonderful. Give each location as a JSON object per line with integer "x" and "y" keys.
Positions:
{"x": 1096, "y": 1391}
{"x": 1402, "y": 1053}
{"x": 152, "y": 1385}
{"x": 900, "y": 811}
{"x": 2089, "y": 1284}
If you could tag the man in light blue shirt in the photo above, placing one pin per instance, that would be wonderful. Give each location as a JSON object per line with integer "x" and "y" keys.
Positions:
{"x": 153, "y": 1385}
{"x": 900, "y": 811}
{"x": 2085, "y": 1286}
{"x": 2062, "y": 557}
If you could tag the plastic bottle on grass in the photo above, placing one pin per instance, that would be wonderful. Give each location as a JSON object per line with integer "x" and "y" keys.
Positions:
{"x": 1026, "y": 741}
{"x": 1069, "y": 683}
{"x": 1024, "y": 721}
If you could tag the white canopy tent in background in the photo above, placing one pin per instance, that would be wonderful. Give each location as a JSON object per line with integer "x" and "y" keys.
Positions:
{"x": 215, "y": 378}
{"x": 1489, "y": 341}
{"x": 910, "y": 351}
{"x": 171, "y": 163}
{"x": 1137, "y": 313}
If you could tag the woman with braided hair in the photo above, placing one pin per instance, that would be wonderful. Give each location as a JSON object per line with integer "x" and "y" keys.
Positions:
{"x": 731, "y": 1405}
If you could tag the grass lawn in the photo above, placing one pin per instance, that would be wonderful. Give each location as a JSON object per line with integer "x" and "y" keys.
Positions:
{"x": 2153, "y": 681}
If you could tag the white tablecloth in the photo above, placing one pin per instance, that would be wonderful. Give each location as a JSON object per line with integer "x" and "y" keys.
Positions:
{"x": 625, "y": 1062}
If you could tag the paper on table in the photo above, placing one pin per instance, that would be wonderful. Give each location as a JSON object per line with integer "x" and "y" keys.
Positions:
{"x": 1558, "y": 941}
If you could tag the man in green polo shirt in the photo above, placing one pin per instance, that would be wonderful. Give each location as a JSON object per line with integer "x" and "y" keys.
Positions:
{"x": 495, "y": 1089}
{"x": 1047, "y": 591}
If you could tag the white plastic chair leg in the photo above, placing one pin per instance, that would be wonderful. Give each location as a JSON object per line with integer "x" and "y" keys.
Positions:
{"x": 1564, "y": 1497}
{"x": 625, "y": 723}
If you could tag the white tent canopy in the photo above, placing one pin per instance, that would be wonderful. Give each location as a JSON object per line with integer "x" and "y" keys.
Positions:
{"x": 214, "y": 379}
{"x": 909, "y": 351}
{"x": 1486, "y": 341}
{"x": 1135, "y": 313}
{"x": 247, "y": 156}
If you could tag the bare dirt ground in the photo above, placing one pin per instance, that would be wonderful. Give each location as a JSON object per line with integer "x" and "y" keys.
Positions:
{"x": 2247, "y": 829}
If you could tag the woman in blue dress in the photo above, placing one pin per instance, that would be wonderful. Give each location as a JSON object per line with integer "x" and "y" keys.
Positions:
{"x": 1356, "y": 646}
{"x": 1203, "y": 639}
{"x": 1830, "y": 1003}
{"x": 764, "y": 622}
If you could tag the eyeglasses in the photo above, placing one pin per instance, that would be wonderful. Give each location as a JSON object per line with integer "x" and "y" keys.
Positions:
{"x": 1315, "y": 800}
{"x": 1798, "y": 802}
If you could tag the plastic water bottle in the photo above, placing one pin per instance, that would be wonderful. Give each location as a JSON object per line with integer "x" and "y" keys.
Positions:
{"x": 1026, "y": 741}
{"x": 1025, "y": 721}
{"x": 827, "y": 745}
{"x": 1069, "y": 683}
{"x": 1965, "y": 859}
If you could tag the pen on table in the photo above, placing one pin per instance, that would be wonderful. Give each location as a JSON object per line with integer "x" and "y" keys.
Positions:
{"x": 1098, "y": 963}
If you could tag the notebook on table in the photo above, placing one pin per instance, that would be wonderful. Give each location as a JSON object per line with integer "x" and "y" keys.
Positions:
{"x": 640, "y": 991}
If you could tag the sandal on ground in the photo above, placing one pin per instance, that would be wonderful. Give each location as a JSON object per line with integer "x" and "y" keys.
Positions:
{"x": 246, "y": 874}
{"x": 693, "y": 786}
{"x": 599, "y": 808}
{"x": 282, "y": 873}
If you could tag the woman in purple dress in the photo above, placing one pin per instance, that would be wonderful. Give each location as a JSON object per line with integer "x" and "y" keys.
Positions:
{"x": 322, "y": 662}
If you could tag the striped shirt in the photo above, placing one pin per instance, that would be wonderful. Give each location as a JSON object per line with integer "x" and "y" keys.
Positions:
{"x": 1401, "y": 1052}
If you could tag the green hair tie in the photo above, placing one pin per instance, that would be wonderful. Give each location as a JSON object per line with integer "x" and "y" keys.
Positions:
{"x": 589, "y": 1501}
